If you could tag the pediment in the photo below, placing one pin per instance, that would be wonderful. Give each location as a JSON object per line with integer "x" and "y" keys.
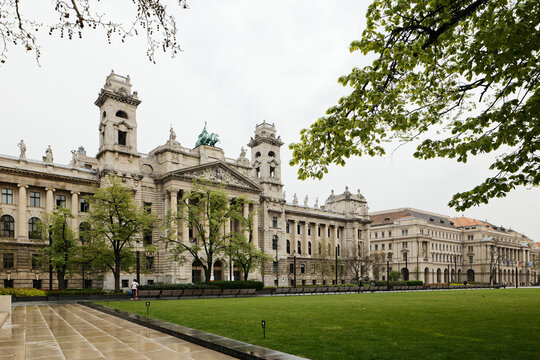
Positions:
{"x": 217, "y": 172}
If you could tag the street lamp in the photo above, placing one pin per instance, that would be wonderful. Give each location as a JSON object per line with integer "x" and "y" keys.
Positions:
{"x": 336, "y": 267}
{"x": 138, "y": 252}
{"x": 275, "y": 242}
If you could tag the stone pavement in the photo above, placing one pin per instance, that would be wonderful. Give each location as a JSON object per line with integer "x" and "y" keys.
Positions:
{"x": 71, "y": 331}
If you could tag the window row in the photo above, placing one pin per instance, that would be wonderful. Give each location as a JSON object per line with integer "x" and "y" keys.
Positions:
{"x": 7, "y": 227}
{"x": 301, "y": 228}
{"x": 8, "y": 261}
{"x": 35, "y": 200}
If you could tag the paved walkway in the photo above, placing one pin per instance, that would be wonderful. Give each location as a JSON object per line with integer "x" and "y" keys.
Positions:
{"x": 71, "y": 331}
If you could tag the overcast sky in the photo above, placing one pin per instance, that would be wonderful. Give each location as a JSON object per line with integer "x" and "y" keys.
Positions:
{"x": 242, "y": 62}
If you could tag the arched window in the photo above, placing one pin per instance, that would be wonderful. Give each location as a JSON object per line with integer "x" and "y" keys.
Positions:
{"x": 34, "y": 232}
{"x": 257, "y": 154}
{"x": 309, "y": 248}
{"x": 299, "y": 246}
{"x": 288, "y": 247}
{"x": 7, "y": 226}
{"x": 271, "y": 154}
{"x": 121, "y": 114}
{"x": 320, "y": 249}
{"x": 84, "y": 232}
{"x": 104, "y": 114}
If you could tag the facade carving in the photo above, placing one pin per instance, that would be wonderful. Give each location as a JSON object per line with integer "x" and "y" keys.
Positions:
{"x": 305, "y": 241}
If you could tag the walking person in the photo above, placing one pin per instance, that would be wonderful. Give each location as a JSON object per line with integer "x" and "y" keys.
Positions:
{"x": 134, "y": 290}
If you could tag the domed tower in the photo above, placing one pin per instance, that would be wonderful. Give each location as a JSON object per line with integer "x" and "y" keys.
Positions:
{"x": 118, "y": 125}
{"x": 266, "y": 160}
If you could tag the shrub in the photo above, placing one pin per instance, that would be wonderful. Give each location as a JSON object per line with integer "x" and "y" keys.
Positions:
{"x": 78, "y": 292}
{"x": 161, "y": 286}
{"x": 249, "y": 284}
{"x": 21, "y": 292}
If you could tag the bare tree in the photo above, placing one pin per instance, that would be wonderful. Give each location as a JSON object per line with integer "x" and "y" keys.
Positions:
{"x": 20, "y": 24}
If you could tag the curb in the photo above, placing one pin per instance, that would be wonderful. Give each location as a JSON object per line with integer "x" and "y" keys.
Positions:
{"x": 231, "y": 347}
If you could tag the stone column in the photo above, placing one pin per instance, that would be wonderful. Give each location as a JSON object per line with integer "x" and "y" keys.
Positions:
{"x": 294, "y": 245}
{"x": 185, "y": 224}
{"x": 49, "y": 201}
{"x": 75, "y": 211}
{"x": 324, "y": 230}
{"x": 336, "y": 241}
{"x": 255, "y": 226}
{"x": 305, "y": 245}
{"x": 245, "y": 214}
{"x": 21, "y": 212}
{"x": 173, "y": 206}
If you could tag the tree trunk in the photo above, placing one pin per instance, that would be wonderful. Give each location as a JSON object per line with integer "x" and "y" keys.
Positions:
{"x": 60, "y": 277}
{"x": 116, "y": 271}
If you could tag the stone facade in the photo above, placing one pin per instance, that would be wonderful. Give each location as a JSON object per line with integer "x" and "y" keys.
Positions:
{"x": 308, "y": 241}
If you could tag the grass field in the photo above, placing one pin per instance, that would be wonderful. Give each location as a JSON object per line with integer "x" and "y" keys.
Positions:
{"x": 473, "y": 324}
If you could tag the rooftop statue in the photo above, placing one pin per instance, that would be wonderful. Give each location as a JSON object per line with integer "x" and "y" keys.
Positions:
{"x": 207, "y": 139}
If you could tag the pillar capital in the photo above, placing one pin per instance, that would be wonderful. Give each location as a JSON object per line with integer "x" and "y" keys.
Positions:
{"x": 75, "y": 193}
{"x": 22, "y": 186}
{"x": 50, "y": 189}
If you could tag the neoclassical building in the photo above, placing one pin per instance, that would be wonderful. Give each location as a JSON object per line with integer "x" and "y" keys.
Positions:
{"x": 309, "y": 243}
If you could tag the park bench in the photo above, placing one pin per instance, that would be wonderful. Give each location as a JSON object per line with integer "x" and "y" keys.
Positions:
{"x": 143, "y": 293}
{"x": 176, "y": 293}
{"x": 355, "y": 288}
{"x": 165, "y": 294}
{"x": 230, "y": 292}
{"x": 282, "y": 291}
{"x": 344, "y": 289}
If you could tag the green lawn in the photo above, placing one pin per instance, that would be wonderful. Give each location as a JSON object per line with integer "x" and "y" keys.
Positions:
{"x": 473, "y": 324}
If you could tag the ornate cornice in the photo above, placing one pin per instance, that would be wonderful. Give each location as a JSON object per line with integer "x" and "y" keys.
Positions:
{"x": 107, "y": 94}
{"x": 49, "y": 176}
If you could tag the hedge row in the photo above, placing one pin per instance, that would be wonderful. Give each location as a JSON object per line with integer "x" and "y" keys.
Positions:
{"x": 20, "y": 292}
{"x": 250, "y": 284}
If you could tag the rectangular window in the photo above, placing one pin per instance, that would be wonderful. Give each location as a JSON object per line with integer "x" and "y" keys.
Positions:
{"x": 313, "y": 268}
{"x": 470, "y": 259}
{"x": 404, "y": 256}
{"x": 149, "y": 262}
{"x": 151, "y": 281}
{"x": 36, "y": 262}
{"x": 302, "y": 268}
{"x": 303, "y": 282}
{"x": 87, "y": 284}
{"x": 274, "y": 267}
{"x": 7, "y": 196}
{"x": 298, "y": 229}
{"x": 382, "y": 246}
{"x": 274, "y": 222}
{"x": 389, "y": 234}
{"x": 389, "y": 246}
{"x": 122, "y": 136}
{"x": 291, "y": 268}
{"x": 338, "y": 233}
{"x": 84, "y": 206}
{"x": 376, "y": 247}
{"x": 8, "y": 283}
{"x": 308, "y": 230}
{"x": 35, "y": 199}
{"x": 147, "y": 237}
{"x": 404, "y": 232}
{"x": 125, "y": 283}
{"x": 314, "y": 282}
{"x": 404, "y": 244}
{"x": 147, "y": 207}
{"x": 36, "y": 284}
{"x": 287, "y": 227}
{"x": 328, "y": 231}
{"x": 274, "y": 243}
{"x": 61, "y": 201}
{"x": 470, "y": 237}
{"x": 9, "y": 261}
{"x": 319, "y": 231}
{"x": 382, "y": 234}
